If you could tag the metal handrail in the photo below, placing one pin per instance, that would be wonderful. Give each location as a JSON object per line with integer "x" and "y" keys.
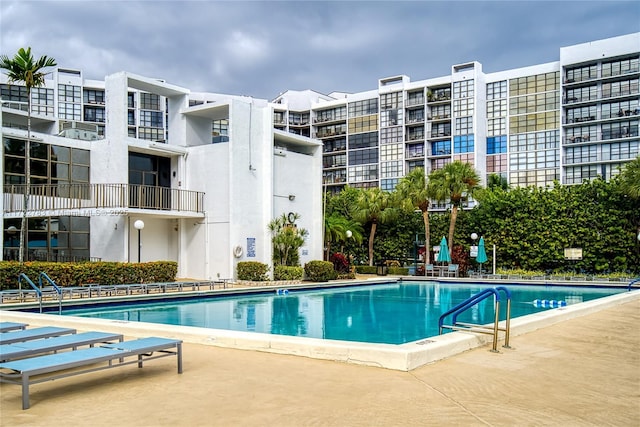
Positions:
{"x": 474, "y": 300}
{"x": 58, "y": 289}
{"x": 113, "y": 197}
{"x": 23, "y": 276}
{"x": 633, "y": 282}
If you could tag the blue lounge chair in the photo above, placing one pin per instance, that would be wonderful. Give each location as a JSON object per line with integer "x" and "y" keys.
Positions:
{"x": 12, "y": 326}
{"x": 47, "y": 345}
{"x": 34, "y": 334}
{"x": 59, "y": 365}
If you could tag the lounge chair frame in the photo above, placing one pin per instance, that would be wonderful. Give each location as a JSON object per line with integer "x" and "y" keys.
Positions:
{"x": 35, "y": 370}
{"x": 34, "y": 334}
{"x": 33, "y": 348}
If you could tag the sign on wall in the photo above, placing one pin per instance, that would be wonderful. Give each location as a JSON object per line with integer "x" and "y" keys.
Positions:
{"x": 573, "y": 253}
{"x": 251, "y": 247}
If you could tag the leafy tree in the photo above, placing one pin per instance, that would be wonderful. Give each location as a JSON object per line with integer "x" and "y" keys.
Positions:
{"x": 286, "y": 238}
{"x": 455, "y": 182}
{"x": 23, "y": 68}
{"x": 497, "y": 181}
{"x": 630, "y": 178}
{"x": 374, "y": 207}
{"x": 415, "y": 193}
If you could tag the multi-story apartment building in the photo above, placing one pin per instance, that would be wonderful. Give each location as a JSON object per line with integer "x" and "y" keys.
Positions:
{"x": 207, "y": 172}
{"x": 202, "y": 174}
{"x": 564, "y": 121}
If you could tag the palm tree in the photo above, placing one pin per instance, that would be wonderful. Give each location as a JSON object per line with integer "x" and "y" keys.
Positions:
{"x": 286, "y": 238}
{"x": 374, "y": 206}
{"x": 415, "y": 193}
{"x": 455, "y": 182}
{"x": 23, "y": 68}
{"x": 336, "y": 228}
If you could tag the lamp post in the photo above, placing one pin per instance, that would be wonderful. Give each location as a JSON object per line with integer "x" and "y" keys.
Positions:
{"x": 139, "y": 225}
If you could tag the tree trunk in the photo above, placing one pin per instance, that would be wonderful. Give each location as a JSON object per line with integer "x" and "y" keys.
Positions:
{"x": 27, "y": 178}
{"x": 452, "y": 226}
{"x": 427, "y": 237}
{"x": 371, "y": 237}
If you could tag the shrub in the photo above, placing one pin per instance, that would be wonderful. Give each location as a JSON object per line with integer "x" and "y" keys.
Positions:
{"x": 252, "y": 270}
{"x": 366, "y": 269}
{"x": 284, "y": 272}
{"x": 345, "y": 276}
{"x": 83, "y": 273}
{"x": 340, "y": 263}
{"x": 399, "y": 271}
{"x": 319, "y": 271}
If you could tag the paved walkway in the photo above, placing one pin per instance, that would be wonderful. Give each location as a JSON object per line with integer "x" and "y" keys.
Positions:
{"x": 583, "y": 372}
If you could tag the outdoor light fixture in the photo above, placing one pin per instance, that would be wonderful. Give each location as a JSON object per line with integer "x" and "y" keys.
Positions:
{"x": 139, "y": 225}
{"x": 474, "y": 236}
{"x": 349, "y": 234}
{"x": 292, "y": 197}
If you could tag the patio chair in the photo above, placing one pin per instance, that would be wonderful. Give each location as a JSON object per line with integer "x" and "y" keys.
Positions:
{"x": 429, "y": 270}
{"x": 452, "y": 271}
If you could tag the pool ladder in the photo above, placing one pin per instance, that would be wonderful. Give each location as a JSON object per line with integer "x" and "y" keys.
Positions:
{"x": 40, "y": 290}
{"x": 483, "y": 329}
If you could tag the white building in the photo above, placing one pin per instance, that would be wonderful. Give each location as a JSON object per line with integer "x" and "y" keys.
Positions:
{"x": 567, "y": 121}
{"x": 205, "y": 173}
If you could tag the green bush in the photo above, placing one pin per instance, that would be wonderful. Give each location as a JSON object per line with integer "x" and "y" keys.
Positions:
{"x": 366, "y": 269}
{"x": 319, "y": 271}
{"x": 252, "y": 270}
{"x": 285, "y": 272}
{"x": 399, "y": 271}
{"x": 346, "y": 276}
{"x": 84, "y": 273}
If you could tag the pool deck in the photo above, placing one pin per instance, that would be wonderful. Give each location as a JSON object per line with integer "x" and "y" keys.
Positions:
{"x": 583, "y": 371}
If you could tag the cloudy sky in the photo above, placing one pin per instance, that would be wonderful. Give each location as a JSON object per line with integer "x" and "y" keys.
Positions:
{"x": 262, "y": 48}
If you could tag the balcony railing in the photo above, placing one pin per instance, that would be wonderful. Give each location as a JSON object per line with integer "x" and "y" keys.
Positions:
{"x": 67, "y": 197}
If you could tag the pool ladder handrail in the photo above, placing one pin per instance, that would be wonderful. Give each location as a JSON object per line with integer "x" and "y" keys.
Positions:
{"x": 633, "y": 282}
{"x": 54, "y": 286}
{"x": 483, "y": 329}
{"x": 39, "y": 290}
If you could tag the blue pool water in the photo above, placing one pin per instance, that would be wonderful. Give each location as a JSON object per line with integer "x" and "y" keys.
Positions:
{"x": 389, "y": 313}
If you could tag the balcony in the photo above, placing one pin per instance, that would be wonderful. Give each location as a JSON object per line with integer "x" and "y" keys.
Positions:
{"x": 91, "y": 199}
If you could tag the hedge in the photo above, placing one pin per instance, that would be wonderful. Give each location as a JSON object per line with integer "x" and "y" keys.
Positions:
{"x": 252, "y": 270}
{"x": 286, "y": 272}
{"x": 319, "y": 271}
{"x": 85, "y": 273}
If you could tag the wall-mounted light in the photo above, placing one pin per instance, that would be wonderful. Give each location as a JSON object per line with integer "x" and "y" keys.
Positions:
{"x": 292, "y": 197}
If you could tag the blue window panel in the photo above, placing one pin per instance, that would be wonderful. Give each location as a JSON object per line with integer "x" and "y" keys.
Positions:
{"x": 439, "y": 148}
{"x": 497, "y": 144}
{"x": 463, "y": 144}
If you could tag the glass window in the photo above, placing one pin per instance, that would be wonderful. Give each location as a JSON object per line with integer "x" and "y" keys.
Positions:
{"x": 363, "y": 140}
{"x": 360, "y": 157}
{"x": 391, "y": 101}
{"x": 149, "y": 101}
{"x": 363, "y": 124}
{"x": 463, "y": 89}
{"x": 497, "y": 90}
{"x": 497, "y": 144}
{"x": 363, "y": 108}
{"x": 463, "y": 144}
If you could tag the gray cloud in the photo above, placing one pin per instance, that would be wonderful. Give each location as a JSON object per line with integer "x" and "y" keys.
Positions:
{"x": 261, "y": 48}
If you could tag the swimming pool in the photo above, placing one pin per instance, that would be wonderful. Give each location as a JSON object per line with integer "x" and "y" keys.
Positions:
{"x": 394, "y": 313}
